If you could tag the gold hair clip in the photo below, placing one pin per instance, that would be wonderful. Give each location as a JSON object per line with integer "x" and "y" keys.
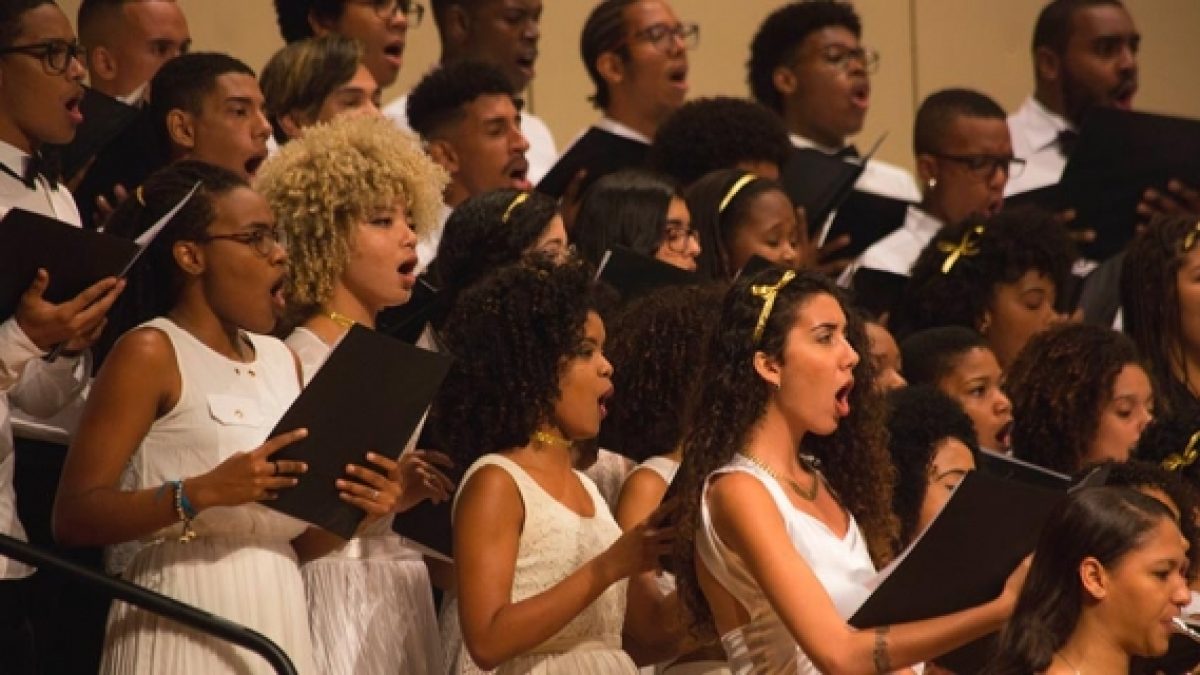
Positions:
{"x": 969, "y": 246}
{"x": 1189, "y": 240}
{"x": 768, "y": 293}
{"x": 734, "y": 189}
{"x": 1179, "y": 461}
{"x": 141, "y": 199}
{"x": 517, "y": 201}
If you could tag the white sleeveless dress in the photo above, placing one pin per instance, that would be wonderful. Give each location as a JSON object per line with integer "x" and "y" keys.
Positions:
{"x": 555, "y": 541}
{"x": 369, "y": 603}
{"x": 241, "y": 566}
{"x": 843, "y": 566}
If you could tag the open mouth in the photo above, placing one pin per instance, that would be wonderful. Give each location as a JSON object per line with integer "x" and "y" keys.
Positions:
{"x": 860, "y": 95}
{"x": 73, "y": 109}
{"x": 842, "y": 399}
{"x": 517, "y": 172}
{"x": 277, "y": 296}
{"x": 394, "y": 50}
{"x": 1123, "y": 95}
{"x": 604, "y": 398}
{"x": 525, "y": 61}
{"x": 252, "y": 165}
{"x": 1004, "y": 436}
{"x": 678, "y": 76}
{"x": 408, "y": 270}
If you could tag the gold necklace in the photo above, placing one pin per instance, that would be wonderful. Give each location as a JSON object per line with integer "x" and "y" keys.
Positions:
{"x": 341, "y": 320}
{"x": 808, "y": 495}
{"x": 553, "y": 440}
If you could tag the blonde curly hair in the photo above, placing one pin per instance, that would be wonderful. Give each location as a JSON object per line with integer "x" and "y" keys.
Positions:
{"x": 323, "y": 184}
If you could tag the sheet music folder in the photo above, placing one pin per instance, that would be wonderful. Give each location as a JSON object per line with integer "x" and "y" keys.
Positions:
{"x": 1119, "y": 155}
{"x": 633, "y": 274}
{"x": 368, "y": 396}
{"x": 75, "y": 258}
{"x": 962, "y": 559}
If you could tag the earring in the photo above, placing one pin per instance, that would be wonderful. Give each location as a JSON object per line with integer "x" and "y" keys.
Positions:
{"x": 931, "y": 183}
{"x": 984, "y": 324}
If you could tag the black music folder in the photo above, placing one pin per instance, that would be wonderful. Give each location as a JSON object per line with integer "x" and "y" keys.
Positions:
{"x": 368, "y": 396}
{"x": 633, "y": 274}
{"x": 104, "y": 118}
{"x": 428, "y": 527}
{"x": 962, "y": 559}
{"x": 1120, "y": 154}
{"x": 75, "y": 258}
{"x": 598, "y": 151}
{"x": 1020, "y": 470}
{"x": 877, "y": 292}
{"x": 818, "y": 182}
{"x": 409, "y": 320}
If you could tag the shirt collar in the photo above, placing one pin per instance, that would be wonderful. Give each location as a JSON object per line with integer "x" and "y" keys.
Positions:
{"x": 616, "y": 128}
{"x": 1043, "y": 125}
{"x": 802, "y": 142}
{"x": 14, "y": 158}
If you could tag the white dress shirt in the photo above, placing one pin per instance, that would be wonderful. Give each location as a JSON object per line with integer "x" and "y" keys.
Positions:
{"x": 540, "y": 155}
{"x": 1034, "y": 130}
{"x": 427, "y": 245}
{"x": 897, "y": 252}
{"x": 30, "y": 388}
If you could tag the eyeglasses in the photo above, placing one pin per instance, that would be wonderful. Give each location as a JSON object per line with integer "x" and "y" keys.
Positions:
{"x": 663, "y": 37}
{"x": 842, "y": 57}
{"x": 387, "y": 10}
{"x": 557, "y": 251}
{"x": 986, "y": 166}
{"x": 679, "y": 238}
{"x": 262, "y": 239}
{"x": 55, "y": 55}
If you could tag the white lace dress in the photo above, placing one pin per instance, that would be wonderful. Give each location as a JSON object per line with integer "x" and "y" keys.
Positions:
{"x": 241, "y": 566}
{"x": 555, "y": 541}
{"x": 370, "y": 602}
{"x": 843, "y": 566}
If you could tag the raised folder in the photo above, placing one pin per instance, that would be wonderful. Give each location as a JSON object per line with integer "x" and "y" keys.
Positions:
{"x": 368, "y": 396}
{"x": 598, "y": 152}
{"x": 75, "y": 258}
{"x": 633, "y": 274}
{"x": 1119, "y": 155}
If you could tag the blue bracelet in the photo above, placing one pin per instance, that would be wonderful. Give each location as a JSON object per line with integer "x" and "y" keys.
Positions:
{"x": 184, "y": 504}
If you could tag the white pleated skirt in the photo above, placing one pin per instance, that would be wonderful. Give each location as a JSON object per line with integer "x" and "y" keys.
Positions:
{"x": 249, "y": 581}
{"x": 371, "y": 609}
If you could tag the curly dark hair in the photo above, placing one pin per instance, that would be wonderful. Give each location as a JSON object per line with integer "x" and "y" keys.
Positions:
{"x": 1013, "y": 242}
{"x": 627, "y": 208}
{"x": 919, "y": 418}
{"x": 1104, "y": 523}
{"x": 292, "y": 16}
{"x": 718, "y": 228}
{"x": 1058, "y": 385}
{"x": 155, "y": 279}
{"x": 656, "y": 345}
{"x": 1151, "y": 311}
{"x": 930, "y": 355}
{"x": 439, "y": 99}
{"x": 780, "y": 36}
{"x": 721, "y": 132}
{"x": 478, "y": 239}
{"x": 733, "y": 399}
{"x": 1138, "y": 474}
{"x": 509, "y": 335}
{"x": 1171, "y": 437}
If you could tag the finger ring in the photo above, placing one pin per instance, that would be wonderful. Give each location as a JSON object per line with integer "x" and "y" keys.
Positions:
{"x": 374, "y": 495}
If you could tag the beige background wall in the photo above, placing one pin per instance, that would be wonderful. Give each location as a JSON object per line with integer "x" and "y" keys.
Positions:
{"x": 926, "y": 45}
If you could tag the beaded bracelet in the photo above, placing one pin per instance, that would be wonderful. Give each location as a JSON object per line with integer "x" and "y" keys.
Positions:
{"x": 183, "y": 509}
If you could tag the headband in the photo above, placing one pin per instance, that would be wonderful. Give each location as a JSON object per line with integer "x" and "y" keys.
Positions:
{"x": 734, "y": 189}
{"x": 768, "y": 292}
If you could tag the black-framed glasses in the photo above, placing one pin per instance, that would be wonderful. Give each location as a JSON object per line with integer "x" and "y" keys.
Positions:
{"x": 387, "y": 10}
{"x": 663, "y": 36}
{"x": 842, "y": 57}
{"x": 55, "y": 55}
{"x": 986, "y": 166}
{"x": 262, "y": 239}
{"x": 678, "y": 238}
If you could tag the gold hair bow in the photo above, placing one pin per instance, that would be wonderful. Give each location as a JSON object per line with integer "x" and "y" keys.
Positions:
{"x": 1189, "y": 239}
{"x": 969, "y": 246}
{"x": 734, "y": 189}
{"x": 517, "y": 201}
{"x": 768, "y": 292}
{"x": 1179, "y": 461}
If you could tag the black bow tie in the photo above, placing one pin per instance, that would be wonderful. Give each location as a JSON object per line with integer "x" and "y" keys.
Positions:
{"x": 35, "y": 165}
{"x": 1067, "y": 140}
{"x": 848, "y": 152}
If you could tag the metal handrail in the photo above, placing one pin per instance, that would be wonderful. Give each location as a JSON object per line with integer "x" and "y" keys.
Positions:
{"x": 151, "y": 601}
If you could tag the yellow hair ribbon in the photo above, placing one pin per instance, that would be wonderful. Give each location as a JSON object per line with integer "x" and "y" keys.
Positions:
{"x": 1179, "y": 461}
{"x": 969, "y": 246}
{"x": 1189, "y": 240}
{"x": 768, "y": 292}
{"x": 141, "y": 198}
{"x": 517, "y": 201}
{"x": 734, "y": 189}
